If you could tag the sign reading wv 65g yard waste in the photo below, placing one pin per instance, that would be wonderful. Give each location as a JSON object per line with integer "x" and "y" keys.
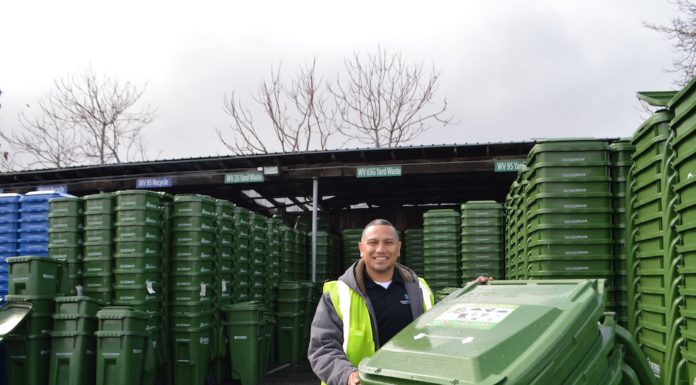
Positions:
{"x": 512, "y": 165}
{"x": 244, "y": 177}
{"x": 377, "y": 171}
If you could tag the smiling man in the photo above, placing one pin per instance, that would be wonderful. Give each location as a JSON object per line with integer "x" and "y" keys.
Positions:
{"x": 371, "y": 302}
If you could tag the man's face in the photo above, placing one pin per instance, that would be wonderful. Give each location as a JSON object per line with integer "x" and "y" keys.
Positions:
{"x": 379, "y": 248}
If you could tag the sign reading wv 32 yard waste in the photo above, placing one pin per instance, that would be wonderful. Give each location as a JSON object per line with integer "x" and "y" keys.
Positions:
{"x": 377, "y": 171}
{"x": 511, "y": 165}
{"x": 244, "y": 177}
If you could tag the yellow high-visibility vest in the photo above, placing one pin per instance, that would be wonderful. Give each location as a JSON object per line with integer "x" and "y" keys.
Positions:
{"x": 352, "y": 310}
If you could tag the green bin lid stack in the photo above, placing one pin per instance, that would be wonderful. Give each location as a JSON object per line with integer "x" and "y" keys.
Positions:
{"x": 621, "y": 153}
{"x": 682, "y": 142}
{"x": 655, "y": 282}
{"x": 412, "y": 250}
{"x": 511, "y": 332}
{"x": 481, "y": 225}
{"x": 441, "y": 251}
{"x": 349, "y": 251}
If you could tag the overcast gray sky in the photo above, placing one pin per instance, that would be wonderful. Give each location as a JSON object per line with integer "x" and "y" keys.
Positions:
{"x": 511, "y": 69}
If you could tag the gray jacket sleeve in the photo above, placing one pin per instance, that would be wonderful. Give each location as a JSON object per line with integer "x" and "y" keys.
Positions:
{"x": 325, "y": 353}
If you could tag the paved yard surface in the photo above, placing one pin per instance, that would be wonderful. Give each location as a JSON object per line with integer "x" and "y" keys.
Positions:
{"x": 286, "y": 375}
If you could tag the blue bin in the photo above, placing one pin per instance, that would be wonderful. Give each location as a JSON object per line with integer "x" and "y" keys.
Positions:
{"x": 42, "y": 196}
{"x": 38, "y": 200}
{"x": 33, "y": 226}
{"x": 4, "y": 286}
{"x": 10, "y": 202}
{"x": 8, "y": 238}
{"x": 8, "y": 246}
{"x": 9, "y": 227}
{"x": 4, "y": 268}
{"x": 33, "y": 248}
{"x": 33, "y": 215}
{"x": 10, "y": 216}
{"x": 30, "y": 238}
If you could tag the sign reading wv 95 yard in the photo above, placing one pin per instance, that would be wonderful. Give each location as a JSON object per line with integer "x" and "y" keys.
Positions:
{"x": 377, "y": 171}
{"x": 244, "y": 177}
{"x": 512, "y": 165}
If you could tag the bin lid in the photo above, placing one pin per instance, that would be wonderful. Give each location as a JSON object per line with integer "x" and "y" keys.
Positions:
{"x": 194, "y": 198}
{"x": 103, "y": 195}
{"x": 504, "y": 331}
{"x": 120, "y": 312}
{"x": 11, "y": 315}
{"x": 656, "y": 98}
{"x": 244, "y": 306}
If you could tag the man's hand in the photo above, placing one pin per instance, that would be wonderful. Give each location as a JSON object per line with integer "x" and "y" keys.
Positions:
{"x": 482, "y": 279}
{"x": 354, "y": 378}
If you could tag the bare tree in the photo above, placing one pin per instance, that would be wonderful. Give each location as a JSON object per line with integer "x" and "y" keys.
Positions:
{"x": 102, "y": 109}
{"x": 682, "y": 31}
{"x": 383, "y": 101}
{"x": 46, "y": 139}
{"x": 84, "y": 118}
{"x": 300, "y": 117}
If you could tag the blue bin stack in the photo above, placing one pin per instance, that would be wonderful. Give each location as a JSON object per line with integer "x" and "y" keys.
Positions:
{"x": 9, "y": 227}
{"x": 33, "y": 222}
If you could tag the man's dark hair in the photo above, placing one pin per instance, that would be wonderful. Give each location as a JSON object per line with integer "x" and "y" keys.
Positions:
{"x": 380, "y": 222}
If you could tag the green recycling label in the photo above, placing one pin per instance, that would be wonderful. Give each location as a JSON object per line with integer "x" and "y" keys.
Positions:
{"x": 475, "y": 315}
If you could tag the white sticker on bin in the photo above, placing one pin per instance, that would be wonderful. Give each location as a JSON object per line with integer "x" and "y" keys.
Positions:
{"x": 202, "y": 289}
{"x": 150, "y": 289}
{"x": 79, "y": 289}
{"x": 224, "y": 286}
{"x": 475, "y": 315}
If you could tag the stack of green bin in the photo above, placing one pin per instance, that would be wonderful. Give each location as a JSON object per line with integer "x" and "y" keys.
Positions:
{"x": 74, "y": 345}
{"x": 568, "y": 207}
{"x": 620, "y": 156}
{"x": 249, "y": 344}
{"x": 482, "y": 240}
{"x": 33, "y": 280}
{"x": 224, "y": 223}
{"x": 682, "y": 144}
{"x": 326, "y": 266}
{"x": 412, "y": 250}
{"x": 242, "y": 256}
{"x": 512, "y": 203}
{"x": 121, "y": 346}
{"x": 291, "y": 317}
{"x": 654, "y": 260}
{"x": 65, "y": 216}
{"x": 287, "y": 253}
{"x": 350, "y": 253}
{"x": 302, "y": 244}
{"x": 523, "y": 218}
{"x": 257, "y": 223}
{"x": 523, "y": 333}
{"x": 98, "y": 248}
{"x": 441, "y": 256}
{"x": 193, "y": 287}
{"x": 274, "y": 256}
{"x": 139, "y": 257}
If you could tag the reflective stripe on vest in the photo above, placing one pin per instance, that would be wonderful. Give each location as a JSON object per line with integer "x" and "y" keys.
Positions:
{"x": 428, "y": 298}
